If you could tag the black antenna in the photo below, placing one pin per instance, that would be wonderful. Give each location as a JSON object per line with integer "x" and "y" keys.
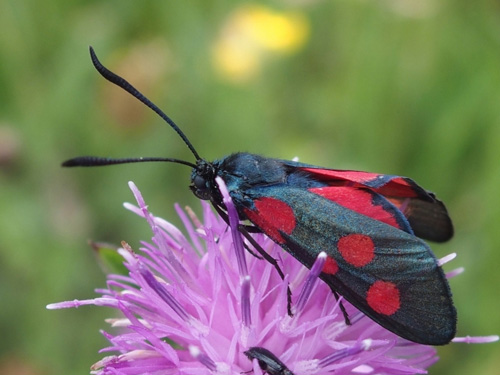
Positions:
{"x": 120, "y": 82}
{"x": 95, "y": 161}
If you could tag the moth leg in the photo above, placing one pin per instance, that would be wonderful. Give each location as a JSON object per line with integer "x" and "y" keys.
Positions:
{"x": 342, "y": 308}
{"x": 250, "y": 228}
{"x": 245, "y": 245}
{"x": 251, "y": 252}
{"x": 243, "y": 229}
{"x": 272, "y": 261}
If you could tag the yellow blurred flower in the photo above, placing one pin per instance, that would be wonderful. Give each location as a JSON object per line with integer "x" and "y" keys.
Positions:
{"x": 251, "y": 34}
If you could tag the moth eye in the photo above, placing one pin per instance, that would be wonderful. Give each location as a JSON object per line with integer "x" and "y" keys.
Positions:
{"x": 200, "y": 187}
{"x": 200, "y": 183}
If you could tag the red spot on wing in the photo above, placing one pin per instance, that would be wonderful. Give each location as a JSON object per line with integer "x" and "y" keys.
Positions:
{"x": 272, "y": 216}
{"x": 394, "y": 187}
{"x": 356, "y": 200}
{"x": 357, "y": 249}
{"x": 353, "y": 176}
{"x": 331, "y": 267}
{"x": 383, "y": 297}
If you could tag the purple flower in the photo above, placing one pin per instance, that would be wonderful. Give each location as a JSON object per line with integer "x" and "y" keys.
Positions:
{"x": 195, "y": 304}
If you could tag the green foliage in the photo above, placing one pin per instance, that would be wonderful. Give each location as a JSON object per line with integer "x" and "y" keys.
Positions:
{"x": 397, "y": 86}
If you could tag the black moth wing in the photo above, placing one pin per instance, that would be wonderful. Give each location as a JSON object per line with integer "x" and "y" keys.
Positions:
{"x": 426, "y": 313}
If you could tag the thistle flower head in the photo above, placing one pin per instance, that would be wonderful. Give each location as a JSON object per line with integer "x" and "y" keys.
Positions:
{"x": 193, "y": 304}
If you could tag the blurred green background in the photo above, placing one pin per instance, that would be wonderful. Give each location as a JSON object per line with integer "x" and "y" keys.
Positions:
{"x": 397, "y": 86}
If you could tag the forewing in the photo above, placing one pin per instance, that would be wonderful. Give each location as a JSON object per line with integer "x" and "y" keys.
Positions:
{"x": 390, "y": 275}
